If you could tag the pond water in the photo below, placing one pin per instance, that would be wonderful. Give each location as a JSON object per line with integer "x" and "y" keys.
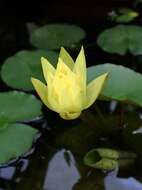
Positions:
{"x": 56, "y": 159}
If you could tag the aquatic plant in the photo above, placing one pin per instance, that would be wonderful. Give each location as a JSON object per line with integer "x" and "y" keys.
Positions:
{"x": 66, "y": 91}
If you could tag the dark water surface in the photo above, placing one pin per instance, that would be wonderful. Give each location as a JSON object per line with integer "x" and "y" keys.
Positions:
{"x": 56, "y": 159}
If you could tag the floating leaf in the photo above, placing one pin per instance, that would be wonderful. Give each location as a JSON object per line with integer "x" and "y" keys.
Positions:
{"x": 125, "y": 18}
{"x": 19, "y": 106}
{"x": 15, "y": 140}
{"x": 94, "y": 159}
{"x": 53, "y": 36}
{"x": 121, "y": 39}
{"x": 108, "y": 159}
{"x": 3, "y": 121}
{"x": 123, "y": 15}
{"x": 123, "y": 84}
{"x": 27, "y": 64}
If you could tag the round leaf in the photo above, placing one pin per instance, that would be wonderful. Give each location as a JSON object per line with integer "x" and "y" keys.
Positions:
{"x": 94, "y": 160}
{"x": 120, "y": 39}
{"x": 123, "y": 84}
{"x": 17, "y": 70}
{"x": 108, "y": 159}
{"x": 15, "y": 140}
{"x": 53, "y": 36}
{"x": 19, "y": 106}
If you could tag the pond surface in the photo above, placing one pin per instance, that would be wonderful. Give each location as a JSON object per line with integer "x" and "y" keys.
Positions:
{"x": 56, "y": 159}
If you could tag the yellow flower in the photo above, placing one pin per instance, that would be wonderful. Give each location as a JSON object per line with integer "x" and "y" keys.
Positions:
{"x": 66, "y": 91}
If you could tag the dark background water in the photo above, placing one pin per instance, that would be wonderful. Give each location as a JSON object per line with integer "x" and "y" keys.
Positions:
{"x": 90, "y": 14}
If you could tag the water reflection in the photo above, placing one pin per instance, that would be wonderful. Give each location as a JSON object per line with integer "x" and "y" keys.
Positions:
{"x": 52, "y": 167}
{"x": 139, "y": 130}
{"x": 62, "y": 172}
{"x": 11, "y": 175}
{"x": 7, "y": 173}
{"x": 114, "y": 183}
{"x": 113, "y": 105}
{"x": 24, "y": 164}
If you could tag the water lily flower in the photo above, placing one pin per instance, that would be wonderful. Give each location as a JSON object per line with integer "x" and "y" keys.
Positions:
{"x": 66, "y": 91}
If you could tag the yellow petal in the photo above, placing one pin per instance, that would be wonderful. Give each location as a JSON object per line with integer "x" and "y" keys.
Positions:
{"x": 70, "y": 100}
{"x": 80, "y": 69}
{"x": 94, "y": 88}
{"x": 66, "y": 90}
{"x": 63, "y": 68}
{"x": 47, "y": 67}
{"x": 52, "y": 97}
{"x": 70, "y": 116}
{"x": 42, "y": 91}
{"x": 67, "y": 59}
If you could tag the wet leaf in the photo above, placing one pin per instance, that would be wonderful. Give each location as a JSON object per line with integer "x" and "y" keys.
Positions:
{"x": 123, "y": 15}
{"x": 123, "y": 84}
{"x": 3, "y": 121}
{"x": 18, "y": 106}
{"x": 121, "y": 39}
{"x": 53, "y": 36}
{"x": 109, "y": 159}
{"x": 94, "y": 159}
{"x": 15, "y": 140}
{"x": 27, "y": 64}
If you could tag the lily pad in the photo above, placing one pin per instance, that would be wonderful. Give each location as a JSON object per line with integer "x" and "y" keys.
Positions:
{"x": 108, "y": 159}
{"x": 94, "y": 160}
{"x": 123, "y": 84}
{"x": 53, "y": 36}
{"x": 18, "y": 106}
{"x": 123, "y": 15}
{"x": 121, "y": 39}
{"x": 15, "y": 140}
{"x": 17, "y": 70}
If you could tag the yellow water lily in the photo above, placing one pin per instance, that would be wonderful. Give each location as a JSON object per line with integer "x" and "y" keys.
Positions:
{"x": 66, "y": 91}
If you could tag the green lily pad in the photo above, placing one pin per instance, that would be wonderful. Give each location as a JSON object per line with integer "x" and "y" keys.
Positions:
{"x": 121, "y": 39}
{"x": 108, "y": 159}
{"x": 123, "y": 84}
{"x": 15, "y": 140}
{"x": 18, "y": 106}
{"x": 123, "y": 15}
{"x": 17, "y": 70}
{"x": 4, "y": 122}
{"x": 125, "y": 18}
{"x": 53, "y": 36}
{"x": 94, "y": 160}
